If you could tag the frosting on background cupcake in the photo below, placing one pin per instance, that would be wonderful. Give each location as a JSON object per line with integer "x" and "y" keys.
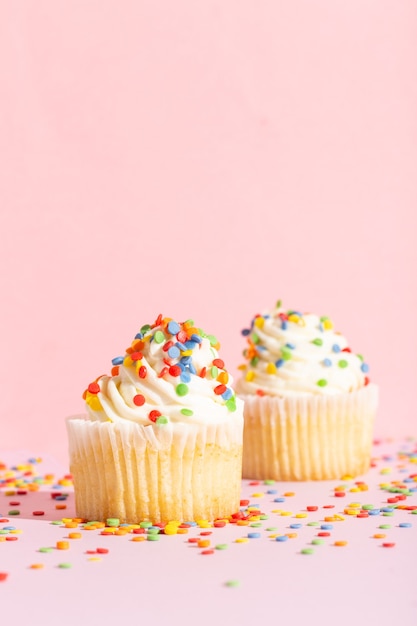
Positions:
{"x": 294, "y": 353}
{"x": 171, "y": 373}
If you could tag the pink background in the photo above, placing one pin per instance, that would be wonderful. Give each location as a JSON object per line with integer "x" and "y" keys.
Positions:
{"x": 201, "y": 160}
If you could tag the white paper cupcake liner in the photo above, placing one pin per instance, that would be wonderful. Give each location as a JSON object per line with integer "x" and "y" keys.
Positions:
{"x": 174, "y": 471}
{"x": 309, "y": 437}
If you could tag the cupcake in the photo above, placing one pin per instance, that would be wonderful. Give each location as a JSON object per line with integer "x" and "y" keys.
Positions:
{"x": 309, "y": 406}
{"x": 162, "y": 437}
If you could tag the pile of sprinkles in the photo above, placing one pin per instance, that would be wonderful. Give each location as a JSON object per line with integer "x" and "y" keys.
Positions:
{"x": 265, "y": 514}
{"x": 256, "y": 351}
{"x": 178, "y": 343}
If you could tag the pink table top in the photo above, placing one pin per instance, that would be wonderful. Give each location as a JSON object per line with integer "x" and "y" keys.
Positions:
{"x": 332, "y": 552}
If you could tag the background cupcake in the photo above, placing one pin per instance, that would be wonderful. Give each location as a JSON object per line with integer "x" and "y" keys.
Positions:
{"x": 162, "y": 439}
{"x": 309, "y": 405}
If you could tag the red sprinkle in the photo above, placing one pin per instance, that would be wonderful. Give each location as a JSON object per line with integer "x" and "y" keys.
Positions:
{"x": 205, "y": 533}
{"x": 219, "y": 524}
{"x": 158, "y": 320}
{"x": 346, "y": 350}
{"x": 21, "y": 492}
{"x": 205, "y": 552}
{"x": 93, "y": 387}
{"x": 38, "y": 513}
{"x": 3, "y": 576}
{"x": 193, "y": 539}
{"x": 312, "y": 508}
{"x": 138, "y": 531}
{"x": 387, "y": 544}
{"x": 136, "y": 356}
{"x": 139, "y": 400}
{"x": 142, "y": 371}
{"x": 14, "y": 503}
{"x": 182, "y": 336}
{"x": 102, "y": 550}
{"x": 219, "y": 363}
{"x": 260, "y": 392}
{"x": 11, "y": 538}
{"x": 339, "y": 494}
{"x": 328, "y": 506}
{"x": 115, "y": 370}
{"x": 153, "y": 415}
{"x": 244, "y": 502}
{"x": 203, "y": 372}
{"x": 163, "y": 371}
{"x": 220, "y": 389}
{"x": 167, "y": 346}
{"x": 323, "y": 534}
{"x": 175, "y": 370}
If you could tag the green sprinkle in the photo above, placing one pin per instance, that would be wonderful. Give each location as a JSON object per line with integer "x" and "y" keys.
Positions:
{"x": 213, "y": 340}
{"x": 271, "y": 529}
{"x": 45, "y": 550}
{"x": 286, "y": 353}
{"x": 414, "y": 512}
{"x": 4, "y": 532}
{"x": 152, "y": 537}
{"x": 255, "y": 338}
{"x": 278, "y": 304}
{"x": 269, "y": 482}
{"x": 181, "y": 389}
{"x": 214, "y": 371}
{"x": 145, "y": 329}
{"x": 307, "y": 551}
{"x": 317, "y": 342}
{"x": 256, "y": 524}
{"x": 153, "y": 531}
{"x": 231, "y": 404}
{"x": 264, "y": 517}
{"x": 312, "y": 523}
{"x": 317, "y": 542}
{"x": 367, "y": 507}
{"x": 232, "y": 583}
{"x": 388, "y": 513}
{"x": 221, "y": 546}
{"x": 57, "y": 522}
{"x": 360, "y": 356}
{"x": 187, "y": 412}
{"x": 342, "y": 363}
{"x": 322, "y": 382}
{"x": 191, "y": 323}
{"x": 323, "y": 318}
{"x": 162, "y": 419}
{"x": 14, "y": 512}
{"x": 384, "y": 526}
{"x": 112, "y": 521}
{"x": 254, "y": 361}
{"x": 159, "y": 336}
{"x": 65, "y": 565}
{"x": 145, "y": 524}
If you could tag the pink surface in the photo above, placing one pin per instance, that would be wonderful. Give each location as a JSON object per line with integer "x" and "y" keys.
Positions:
{"x": 201, "y": 160}
{"x": 170, "y": 581}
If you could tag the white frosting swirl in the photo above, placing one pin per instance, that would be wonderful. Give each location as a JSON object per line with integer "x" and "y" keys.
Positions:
{"x": 291, "y": 353}
{"x": 166, "y": 376}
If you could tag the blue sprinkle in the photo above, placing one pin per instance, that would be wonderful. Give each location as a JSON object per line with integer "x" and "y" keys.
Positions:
{"x": 327, "y": 362}
{"x": 260, "y": 347}
{"x": 181, "y": 346}
{"x": 272, "y": 491}
{"x": 246, "y": 332}
{"x": 173, "y": 327}
{"x": 407, "y": 480}
{"x": 190, "y": 345}
{"x": 196, "y": 338}
{"x": 64, "y": 496}
{"x": 173, "y": 352}
{"x": 374, "y": 511}
{"x": 280, "y": 362}
{"x": 326, "y": 526}
{"x": 185, "y": 376}
{"x": 254, "y": 535}
{"x": 192, "y": 368}
{"x": 281, "y": 538}
{"x": 387, "y": 509}
{"x": 138, "y": 336}
{"x": 336, "y": 348}
{"x": 279, "y": 500}
{"x": 227, "y": 394}
{"x": 295, "y": 525}
{"x": 118, "y": 360}
{"x": 184, "y": 359}
{"x": 191, "y": 523}
{"x": 405, "y": 525}
{"x": 365, "y": 368}
{"x": 284, "y": 325}
{"x": 291, "y": 346}
{"x": 321, "y": 327}
{"x": 9, "y": 527}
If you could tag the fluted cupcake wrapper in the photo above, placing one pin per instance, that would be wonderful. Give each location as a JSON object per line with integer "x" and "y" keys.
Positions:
{"x": 156, "y": 472}
{"x": 309, "y": 437}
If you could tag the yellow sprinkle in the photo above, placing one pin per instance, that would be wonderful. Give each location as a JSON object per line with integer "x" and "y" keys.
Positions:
{"x": 259, "y": 322}
{"x": 347, "y": 477}
{"x": 139, "y": 538}
{"x": 2, "y": 538}
{"x": 272, "y": 536}
{"x": 354, "y": 489}
{"x": 171, "y": 530}
{"x": 250, "y": 376}
{"x": 256, "y": 495}
{"x": 94, "y": 558}
{"x": 327, "y": 325}
{"x": 293, "y": 318}
{"x": 127, "y": 361}
{"x": 301, "y": 515}
{"x": 121, "y": 531}
{"x": 242, "y": 522}
{"x": 386, "y": 470}
{"x": 241, "y": 367}
{"x": 184, "y": 531}
{"x": 271, "y": 368}
{"x": 355, "y": 505}
{"x": 350, "y": 511}
{"x": 93, "y": 402}
{"x": 186, "y": 352}
{"x": 16, "y": 531}
{"x": 203, "y": 523}
{"x": 242, "y": 540}
{"x": 74, "y": 535}
{"x": 292, "y": 535}
{"x": 286, "y": 513}
{"x": 338, "y": 518}
{"x": 340, "y": 543}
{"x": 71, "y": 525}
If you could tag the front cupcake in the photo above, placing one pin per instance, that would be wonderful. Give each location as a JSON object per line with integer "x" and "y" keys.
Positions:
{"x": 309, "y": 405}
{"x": 163, "y": 436}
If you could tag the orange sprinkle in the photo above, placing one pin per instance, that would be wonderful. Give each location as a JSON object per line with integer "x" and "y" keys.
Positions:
{"x": 203, "y": 543}
{"x": 36, "y": 566}
{"x": 62, "y": 545}
{"x": 340, "y": 543}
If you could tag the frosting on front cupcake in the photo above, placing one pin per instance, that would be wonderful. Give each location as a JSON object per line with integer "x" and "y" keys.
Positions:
{"x": 171, "y": 373}
{"x": 294, "y": 353}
